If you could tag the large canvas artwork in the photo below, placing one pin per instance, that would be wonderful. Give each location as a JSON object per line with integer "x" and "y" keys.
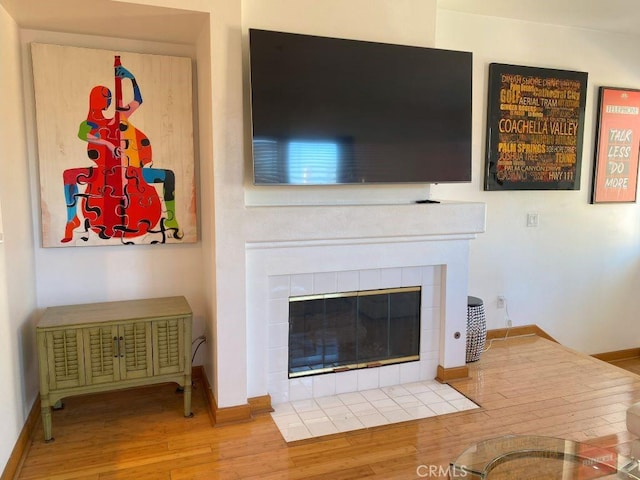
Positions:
{"x": 115, "y": 147}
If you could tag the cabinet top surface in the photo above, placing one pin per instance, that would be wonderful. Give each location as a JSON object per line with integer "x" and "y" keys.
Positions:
{"x": 115, "y": 311}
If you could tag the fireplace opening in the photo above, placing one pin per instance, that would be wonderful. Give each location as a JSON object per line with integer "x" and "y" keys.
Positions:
{"x": 342, "y": 331}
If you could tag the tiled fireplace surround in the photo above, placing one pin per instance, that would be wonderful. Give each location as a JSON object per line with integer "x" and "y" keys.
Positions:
{"x": 429, "y": 248}
{"x": 281, "y": 287}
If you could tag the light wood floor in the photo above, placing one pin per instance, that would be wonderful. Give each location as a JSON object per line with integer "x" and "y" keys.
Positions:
{"x": 631, "y": 364}
{"x": 525, "y": 385}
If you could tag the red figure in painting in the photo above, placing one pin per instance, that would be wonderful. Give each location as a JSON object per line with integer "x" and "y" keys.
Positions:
{"x": 118, "y": 199}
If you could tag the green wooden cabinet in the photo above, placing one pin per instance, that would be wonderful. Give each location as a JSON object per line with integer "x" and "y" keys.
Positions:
{"x": 117, "y": 352}
{"x": 62, "y": 350}
{"x": 106, "y": 346}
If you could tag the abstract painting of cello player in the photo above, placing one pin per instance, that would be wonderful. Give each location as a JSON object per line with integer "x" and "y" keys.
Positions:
{"x": 125, "y": 175}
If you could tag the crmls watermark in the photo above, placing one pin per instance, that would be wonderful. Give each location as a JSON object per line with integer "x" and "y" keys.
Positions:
{"x": 438, "y": 471}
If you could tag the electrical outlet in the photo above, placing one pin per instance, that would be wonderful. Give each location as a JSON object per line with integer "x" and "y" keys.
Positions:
{"x": 509, "y": 323}
{"x": 500, "y": 302}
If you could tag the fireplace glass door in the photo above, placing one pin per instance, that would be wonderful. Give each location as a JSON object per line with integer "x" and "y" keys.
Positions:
{"x": 336, "y": 332}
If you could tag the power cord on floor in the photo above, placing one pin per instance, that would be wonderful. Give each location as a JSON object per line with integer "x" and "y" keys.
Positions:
{"x": 508, "y": 319}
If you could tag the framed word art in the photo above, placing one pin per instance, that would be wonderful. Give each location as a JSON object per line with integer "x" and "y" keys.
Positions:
{"x": 535, "y": 126}
{"x": 615, "y": 169}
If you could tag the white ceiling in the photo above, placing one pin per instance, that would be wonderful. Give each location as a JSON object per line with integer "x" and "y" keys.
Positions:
{"x": 108, "y": 18}
{"x": 618, "y": 16}
{"x": 134, "y": 21}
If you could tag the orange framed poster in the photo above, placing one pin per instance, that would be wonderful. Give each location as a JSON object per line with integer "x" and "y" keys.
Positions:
{"x": 615, "y": 169}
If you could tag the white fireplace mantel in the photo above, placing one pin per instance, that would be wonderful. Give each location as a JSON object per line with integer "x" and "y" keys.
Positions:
{"x": 321, "y": 249}
{"x": 345, "y": 222}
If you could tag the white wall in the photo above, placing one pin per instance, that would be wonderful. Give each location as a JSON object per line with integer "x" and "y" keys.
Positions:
{"x": 408, "y": 22}
{"x": 577, "y": 274}
{"x": 229, "y": 322}
{"x": 86, "y": 275}
{"x": 93, "y": 274}
{"x": 18, "y": 368}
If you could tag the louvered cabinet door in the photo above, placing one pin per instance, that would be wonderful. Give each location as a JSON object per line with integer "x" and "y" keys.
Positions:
{"x": 168, "y": 346}
{"x": 135, "y": 350}
{"x": 64, "y": 357}
{"x": 101, "y": 354}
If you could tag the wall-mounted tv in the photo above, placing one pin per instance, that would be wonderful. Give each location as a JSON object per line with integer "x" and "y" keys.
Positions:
{"x": 335, "y": 111}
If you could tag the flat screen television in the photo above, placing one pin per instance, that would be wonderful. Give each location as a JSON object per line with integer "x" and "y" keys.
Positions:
{"x": 335, "y": 111}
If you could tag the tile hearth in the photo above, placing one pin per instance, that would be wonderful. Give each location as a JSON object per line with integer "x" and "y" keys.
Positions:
{"x": 345, "y": 412}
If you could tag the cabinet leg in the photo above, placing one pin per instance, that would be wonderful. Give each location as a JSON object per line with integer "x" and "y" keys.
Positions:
{"x": 46, "y": 423}
{"x": 187, "y": 399}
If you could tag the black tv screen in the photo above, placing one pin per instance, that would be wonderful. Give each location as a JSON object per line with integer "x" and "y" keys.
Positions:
{"x": 335, "y": 111}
